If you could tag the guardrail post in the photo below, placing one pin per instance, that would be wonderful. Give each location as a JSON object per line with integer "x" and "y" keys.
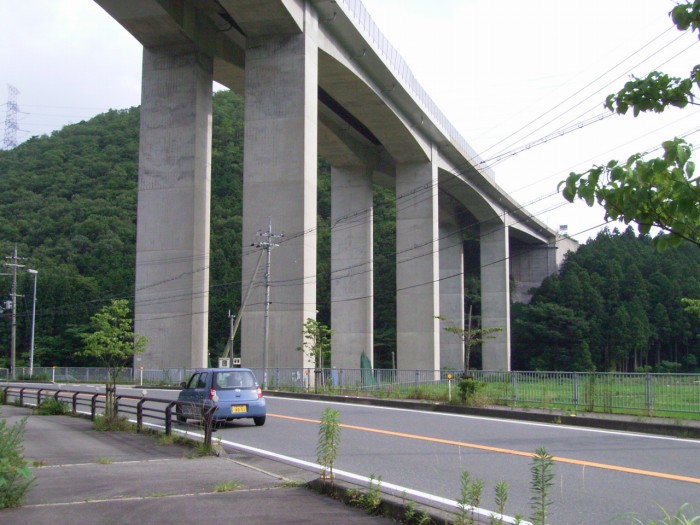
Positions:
{"x": 21, "y": 397}
{"x": 4, "y": 397}
{"x": 93, "y": 406}
{"x": 648, "y": 394}
{"x": 38, "y": 396}
{"x": 139, "y": 415}
{"x": 576, "y": 387}
{"x": 209, "y": 425}
{"x": 514, "y": 383}
{"x": 75, "y": 402}
{"x": 169, "y": 418}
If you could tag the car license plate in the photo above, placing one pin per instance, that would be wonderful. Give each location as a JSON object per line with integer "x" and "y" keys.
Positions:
{"x": 238, "y": 408}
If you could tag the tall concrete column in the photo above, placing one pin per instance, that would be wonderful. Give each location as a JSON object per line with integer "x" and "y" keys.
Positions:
{"x": 417, "y": 267}
{"x": 279, "y": 182}
{"x": 351, "y": 266}
{"x": 495, "y": 295}
{"x": 530, "y": 265}
{"x": 172, "y": 233}
{"x": 451, "y": 290}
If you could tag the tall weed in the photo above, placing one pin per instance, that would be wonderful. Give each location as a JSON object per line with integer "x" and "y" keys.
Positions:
{"x": 15, "y": 475}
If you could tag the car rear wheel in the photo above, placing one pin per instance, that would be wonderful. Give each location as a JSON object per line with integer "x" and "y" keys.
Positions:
{"x": 259, "y": 421}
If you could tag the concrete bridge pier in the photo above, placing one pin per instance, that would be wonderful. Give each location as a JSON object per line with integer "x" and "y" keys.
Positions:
{"x": 417, "y": 266}
{"x": 351, "y": 266}
{"x": 172, "y": 234}
{"x": 279, "y": 183}
{"x": 495, "y": 294}
{"x": 451, "y": 286}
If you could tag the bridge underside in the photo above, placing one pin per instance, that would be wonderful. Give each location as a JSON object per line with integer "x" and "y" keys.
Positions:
{"x": 313, "y": 85}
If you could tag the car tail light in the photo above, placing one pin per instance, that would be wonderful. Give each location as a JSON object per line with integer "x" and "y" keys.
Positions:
{"x": 259, "y": 390}
{"x": 212, "y": 393}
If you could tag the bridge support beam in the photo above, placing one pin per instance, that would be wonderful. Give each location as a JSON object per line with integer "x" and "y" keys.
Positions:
{"x": 495, "y": 295}
{"x": 417, "y": 267}
{"x": 351, "y": 266}
{"x": 172, "y": 235}
{"x": 279, "y": 183}
{"x": 451, "y": 290}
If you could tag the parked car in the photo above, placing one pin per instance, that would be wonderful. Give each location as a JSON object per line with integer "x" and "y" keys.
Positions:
{"x": 235, "y": 391}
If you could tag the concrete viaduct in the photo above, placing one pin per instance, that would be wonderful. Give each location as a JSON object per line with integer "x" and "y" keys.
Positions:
{"x": 318, "y": 79}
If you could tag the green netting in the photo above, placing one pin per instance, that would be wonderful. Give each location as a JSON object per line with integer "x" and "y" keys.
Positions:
{"x": 366, "y": 366}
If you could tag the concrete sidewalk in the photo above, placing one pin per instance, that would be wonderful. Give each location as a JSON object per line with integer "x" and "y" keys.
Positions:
{"x": 90, "y": 477}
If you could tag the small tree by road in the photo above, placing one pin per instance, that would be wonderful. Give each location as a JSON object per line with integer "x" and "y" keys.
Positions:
{"x": 114, "y": 343}
{"x": 317, "y": 344}
{"x": 470, "y": 336}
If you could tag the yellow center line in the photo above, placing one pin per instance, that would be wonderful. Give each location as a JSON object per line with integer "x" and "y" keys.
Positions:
{"x": 499, "y": 450}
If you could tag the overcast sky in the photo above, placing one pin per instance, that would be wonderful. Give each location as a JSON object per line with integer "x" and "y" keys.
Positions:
{"x": 506, "y": 73}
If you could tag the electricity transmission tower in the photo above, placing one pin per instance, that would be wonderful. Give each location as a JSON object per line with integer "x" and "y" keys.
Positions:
{"x": 11, "y": 127}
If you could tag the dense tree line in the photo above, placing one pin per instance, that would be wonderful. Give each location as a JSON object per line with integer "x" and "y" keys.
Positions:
{"x": 69, "y": 202}
{"x": 614, "y": 305}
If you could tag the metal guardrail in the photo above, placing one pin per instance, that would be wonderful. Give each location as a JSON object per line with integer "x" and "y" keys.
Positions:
{"x": 589, "y": 391}
{"x": 138, "y": 408}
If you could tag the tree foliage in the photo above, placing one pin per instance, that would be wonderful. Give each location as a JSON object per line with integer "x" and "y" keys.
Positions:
{"x": 615, "y": 304}
{"x": 662, "y": 192}
{"x": 317, "y": 342}
{"x": 471, "y": 336}
{"x": 113, "y": 342}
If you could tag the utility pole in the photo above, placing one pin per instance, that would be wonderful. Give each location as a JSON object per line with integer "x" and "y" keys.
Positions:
{"x": 14, "y": 265}
{"x": 234, "y": 325}
{"x": 268, "y": 244}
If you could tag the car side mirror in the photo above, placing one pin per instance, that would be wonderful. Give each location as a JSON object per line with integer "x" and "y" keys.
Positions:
{"x": 183, "y": 384}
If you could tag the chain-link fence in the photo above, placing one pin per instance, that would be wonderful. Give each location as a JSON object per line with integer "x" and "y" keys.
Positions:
{"x": 603, "y": 392}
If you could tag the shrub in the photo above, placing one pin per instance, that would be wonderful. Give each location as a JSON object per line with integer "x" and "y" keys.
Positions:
{"x": 52, "y": 407}
{"x": 15, "y": 476}
{"x": 469, "y": 388}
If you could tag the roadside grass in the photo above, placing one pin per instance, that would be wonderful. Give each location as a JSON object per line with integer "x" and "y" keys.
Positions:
{"x": 228, "y": 486}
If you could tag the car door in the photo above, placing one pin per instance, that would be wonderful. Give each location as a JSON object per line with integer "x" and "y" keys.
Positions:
{"x": 194, "y": 395}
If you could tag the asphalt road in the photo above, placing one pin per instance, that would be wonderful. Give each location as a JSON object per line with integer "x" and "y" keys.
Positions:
{"x": 599, "y": 475}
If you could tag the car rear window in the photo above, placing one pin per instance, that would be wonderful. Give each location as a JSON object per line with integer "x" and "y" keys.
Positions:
{"x": 232, "y": 380}
{"x": 198, "y": 380}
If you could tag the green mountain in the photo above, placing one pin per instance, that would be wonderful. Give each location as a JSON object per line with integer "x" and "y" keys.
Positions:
{"x": 69, "y": 203}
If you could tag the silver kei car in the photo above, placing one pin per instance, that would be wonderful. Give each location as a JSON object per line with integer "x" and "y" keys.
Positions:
{"x": 235, "y": 391}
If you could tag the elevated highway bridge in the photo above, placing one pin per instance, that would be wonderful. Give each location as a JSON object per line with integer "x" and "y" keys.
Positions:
{"x": 318, "y": 79}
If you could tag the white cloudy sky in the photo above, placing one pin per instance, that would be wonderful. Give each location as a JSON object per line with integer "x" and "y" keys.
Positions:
{"x": 506, "y": 73}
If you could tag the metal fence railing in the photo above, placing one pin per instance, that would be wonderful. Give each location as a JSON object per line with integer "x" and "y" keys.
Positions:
{"x": 602, "y": 392}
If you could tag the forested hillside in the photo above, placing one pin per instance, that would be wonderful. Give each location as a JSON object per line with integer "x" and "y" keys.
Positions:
{"x": 69, "y": 202}
{"x": 615, "y": 305}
